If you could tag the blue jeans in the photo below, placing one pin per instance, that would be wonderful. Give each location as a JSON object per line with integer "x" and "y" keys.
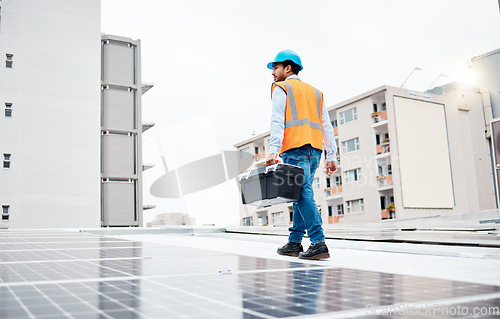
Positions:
{"x": 305, "y": 212}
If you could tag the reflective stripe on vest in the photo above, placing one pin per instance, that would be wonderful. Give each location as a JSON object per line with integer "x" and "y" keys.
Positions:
{"x": 303, "y": 115}
{"x": 293, "y": 110}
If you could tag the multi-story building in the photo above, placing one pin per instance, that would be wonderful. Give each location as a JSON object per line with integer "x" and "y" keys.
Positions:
{"x": 50, "y": 122}
{"x": 121, "y": 131}
{"x": 401, "y": 154}
{"x": 71, "y": 152}
{"x": 177, "y": 219}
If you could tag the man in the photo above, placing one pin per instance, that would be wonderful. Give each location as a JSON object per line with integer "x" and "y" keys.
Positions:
{"x": 300, "y": 123}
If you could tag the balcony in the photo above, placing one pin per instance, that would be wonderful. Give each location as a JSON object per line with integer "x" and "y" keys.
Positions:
{"x": 336, "y": 130}
{"x": 387, "y": 214}
{"x": 260, "y": 156}
{"x": 378, "y": 117}
{"x": 331, "y": 191}
{"x": 147, "y": 126}
{"x": 384, "y": 181}
{"x": 383, "y": 148}
{"x": 146, "y": 166}
{"x": 334, "y": 219}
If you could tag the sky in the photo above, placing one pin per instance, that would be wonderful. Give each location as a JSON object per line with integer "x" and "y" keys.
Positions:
{"x": 207, "y": 60}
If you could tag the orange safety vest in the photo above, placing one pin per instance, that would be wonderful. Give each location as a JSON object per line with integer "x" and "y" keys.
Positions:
{"x": 303, "y": 120}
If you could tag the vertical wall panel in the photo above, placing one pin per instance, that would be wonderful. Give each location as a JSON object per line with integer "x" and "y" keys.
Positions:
{"x": 119, "y": 203}
{"x": 121, "y": 124}
{"x": 118, "y": 155}
{"x": 118, "y": 109}
{"x": 120, "y": 63}
{"x": 424, "y": 158}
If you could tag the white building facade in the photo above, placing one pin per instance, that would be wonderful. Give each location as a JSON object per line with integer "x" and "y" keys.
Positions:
{"x": 50, "y": 125}
{"x": 401, "y": 155}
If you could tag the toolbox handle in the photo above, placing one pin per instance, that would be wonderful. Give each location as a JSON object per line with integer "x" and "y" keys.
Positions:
{"x": 271, "y": 168}
{"x": 245, "y": 175}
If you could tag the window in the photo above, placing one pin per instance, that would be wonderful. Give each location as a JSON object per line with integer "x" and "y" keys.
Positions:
{"x": 315, "y": 183}
{"x": 9, "y": 60}
{"x": 6, "y": 160}
{"x": 334, "y": 123}
{"x": 330, "y": 211}
{"x": 384, "y": 106}
{"x": 5, "y": 212}
{"x": 374, "y": 107}
{"x": 352, "y": 175}
{"x": 327, "y": 182}
{"x": 8, "y": 109}
{"x": 278, "y": 218}
{"x": 340, "y": 209}
{"x": 383, "y": 204}
{"x": 262, "y": 219}
{"x": 354, "y": 206}
{"x": 256, "y": 150}
{"x": 338, "y": 180}
{"x": 291, "y": 215}
{"x": 248, "y": 221}
{"x": 389, "y": 169}
{"x": 380, "y": 171}
{"x": 348, "y": 116}
{"x": 350, "y": 145}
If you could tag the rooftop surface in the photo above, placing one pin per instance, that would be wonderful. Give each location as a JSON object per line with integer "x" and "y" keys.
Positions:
{"x": 180, "y": 272}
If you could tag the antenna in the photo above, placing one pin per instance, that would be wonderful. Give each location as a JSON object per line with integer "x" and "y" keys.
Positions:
{"x": 415, "y": 69}
{"x": 440, "y": 75}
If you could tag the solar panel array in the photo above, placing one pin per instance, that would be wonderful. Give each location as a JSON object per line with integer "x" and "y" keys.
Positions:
{"x": 62, "y": 274}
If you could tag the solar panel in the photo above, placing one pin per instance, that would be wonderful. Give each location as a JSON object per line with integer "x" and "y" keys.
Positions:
{"x": 58, "y": 274}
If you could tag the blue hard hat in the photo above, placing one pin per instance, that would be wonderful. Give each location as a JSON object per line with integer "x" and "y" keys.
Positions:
{"x": 286, "y": 55}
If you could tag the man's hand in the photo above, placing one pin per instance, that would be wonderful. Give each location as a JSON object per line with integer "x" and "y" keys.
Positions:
{"x": 272, "y": 159}
{"x": 331, "y": 168}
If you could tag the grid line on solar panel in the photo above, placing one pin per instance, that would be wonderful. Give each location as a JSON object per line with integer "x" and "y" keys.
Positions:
{"x": 255, "y": 303}
{"x": 81, "y": 300}
{"x": 118, "y": 287}
{"x": 66, "y": 245}
{"x": 180, "y": 277}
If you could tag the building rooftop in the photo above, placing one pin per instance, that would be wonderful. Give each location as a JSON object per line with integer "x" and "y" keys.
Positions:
{"x": 484, "y": 55}
{"x": 185, "y": 272}
{"x": 253, "y": 138}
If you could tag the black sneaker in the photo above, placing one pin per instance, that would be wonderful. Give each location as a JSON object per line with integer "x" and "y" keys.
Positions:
{"x": 316, "y": 251}
{"x": 290, "y": 249}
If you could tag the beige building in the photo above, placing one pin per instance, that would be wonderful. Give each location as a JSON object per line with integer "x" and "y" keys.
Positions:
{"x": 427, "y": 154}
{"x": 172, "y": 219}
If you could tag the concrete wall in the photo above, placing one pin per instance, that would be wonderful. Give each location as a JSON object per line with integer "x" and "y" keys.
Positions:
{"x": 469, "y": 156}
{"x": 469, "y": 149}
{"x": 53, "y": 134}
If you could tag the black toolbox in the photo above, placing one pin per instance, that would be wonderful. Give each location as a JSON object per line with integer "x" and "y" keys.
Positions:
{"x": 271, "y": 185}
